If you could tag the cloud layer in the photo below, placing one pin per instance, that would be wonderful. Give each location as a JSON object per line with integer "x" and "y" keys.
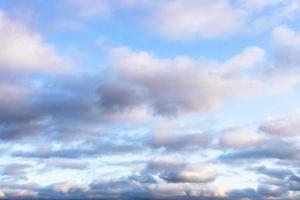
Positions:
{"x": 91, "y": 107}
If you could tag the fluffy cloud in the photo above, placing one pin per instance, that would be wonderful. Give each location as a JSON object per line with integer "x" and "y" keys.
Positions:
{"x": 182, "y": 19}
{"x": 23, "y": 55}
{"x": 173, "y": 137}
{"x": 68, "y": 186}
{"x": 241, "y": 138}
{"x": 281, "y": 127}
{"x": 287, "y": 46}
{"x": 280, "y": 173}
{"x": 67, "y": 164}
{"x": 173, "y": 141}
{"x": 268, "y": 150}
{"x": 191, "y": 19}
{"x": 191, "y": 174}
{"x": 174, "y": 86}
{"x": 23, "y": 49}
{"x": 15, "y": 169}
{"x": 173, "y": 171}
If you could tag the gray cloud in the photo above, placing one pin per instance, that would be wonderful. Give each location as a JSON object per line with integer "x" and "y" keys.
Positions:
{"x": 67, "y": 164}
{"x": 15, "y": 169}
{"x": 84, "y": 150}
{"x": 281, "y": 127}
{"x": 271, "y": 190}
{"x": 141, "y": 79}
{"x": 287, "y": 46}
{"x": 240, "y": 138}
{"x": 174, "y": 171}
{"x": 279, "y": 173}
{"x": 270, "y": 150}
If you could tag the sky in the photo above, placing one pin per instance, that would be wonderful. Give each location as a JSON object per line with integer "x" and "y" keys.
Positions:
{"x": 150, "y": 99}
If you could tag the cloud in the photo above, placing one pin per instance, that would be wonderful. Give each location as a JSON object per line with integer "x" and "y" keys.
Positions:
{"x": 172, "y": 136}
{"x": 271, "y": 190}
{"x": 191, "y": 174}
{"x": 191, "y": 19}
{"x": 284, "y": 36}
{"x": 163, "y": 162}
{"x": 175, "y": 86}
{"x": 279, "y": 173}
{"x": 240, "y": 138}
{"x": 243, "y": 193}
{"x": 26, "y": 63}
{"x": 66, "y": 187}
{"x": 294, "y": 183}
{"x": 286, "y": 43}
{"x": 268, "y": 150}
{"x": 262, "y": 192}
{"x": 23, "y": 49}
{"x": 74, "y": 15}
{"x": 87, "y": 149}
{"x": 182, "y": 19}
{"x": 15, "y": 169}
{"x": 173, "y": 171}
{"x": 281, "y": 127}
{"x": 184, "y": 141}
{"x": 67, "y": 164}
{"x": 2, "y": 194}
{"x": 60, "y": 121}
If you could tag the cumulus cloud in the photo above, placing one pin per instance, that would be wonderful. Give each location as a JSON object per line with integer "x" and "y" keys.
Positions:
{"x": 241, "y": 138}
{"x": 173, "y": 137}
{"x": 268, "y": 150}
{"x": 15, "y": 169}
{"x": 173, "y": 141}
{"x": 191, "y": 174}
{"x": 181, "y": 19}
{"x": 75, "y": 14}
{"x": 280, "y": 173}
{"x": 286, "y": 42}
{"x": 282, "y": 127}
{"x": 173, "y": 171}
{"x": 175, "y": 180}
{"x": 191, "y": 19}
{"x": 67, "y": 164}
{"x": 174, "y": 86}
{"x": 66, "y": 187}
{"x": 23, "y": 49}
{"x": 23, "y": 55}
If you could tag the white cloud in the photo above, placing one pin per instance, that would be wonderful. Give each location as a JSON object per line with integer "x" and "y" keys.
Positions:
{"x": 283, "y": 36}
{"x": 191, "y": 18}
{"x": 175, "y": 86}
{"x": 23, "y": 49}
{"x": 196, "y": 173}
{"x": 172, "y": 136}
{"x": 258, "y": 5}
{"x": 88, "y": 9}
{"x": 2, "y": 194}
{"x": 286, "y": 47}
{"x": 202, "y": 19}
{"x": 248, "y": 58}
{"x": 241, "y": 138}
{"x": 65, "y": 187}
{"x": 282, "y": 127}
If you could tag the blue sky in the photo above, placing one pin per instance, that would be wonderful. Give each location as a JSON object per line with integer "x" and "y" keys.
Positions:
{"x": 149, "y": 99}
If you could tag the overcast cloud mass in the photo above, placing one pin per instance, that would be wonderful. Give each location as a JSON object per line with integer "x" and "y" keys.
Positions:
{"x": 150, "y": 99}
